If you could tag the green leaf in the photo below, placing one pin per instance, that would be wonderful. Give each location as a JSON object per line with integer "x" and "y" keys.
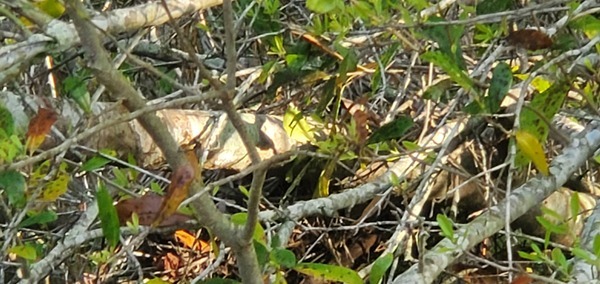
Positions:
{"x": 589, "y": 24}
{"x": 529, "y": 256}
{"x": 244, "y": 191}
{"x": 322, "y": 6}
{"x": 24, "y": 251}
{"x": 596, "y": 245}
{"x": 394, "y": 180}
{"x": 262, "y": 253}
{"x": 575, "y": 206}
{"x": 411, "y": 146}
{"x": 485, "y": 33}
{"x": 7, "y": 123}
{"x": 134, "y": 224}
{"x": 329, "y": 272}
{"x": 296, "y": 61}
{"x": 448, "y": 39}
{"x": 446, "y": 226}
{"x": 76, "y": 87}
{"x": 536, "y": 249}
{"x": 100, "y": 257}
{"x": 108, "y": 216}
{"x": 438, "y": 91}
{"x": 283, "y": 257}
{"x": 241, "y": 218}
{"x": 450, "y": 67}
{"x": 327, "y": 95}
{"x": 267, "y": 70}
{"x": 97, "y": 161}
{"x": 347, "y": 65}
{"x": 120, "y": 177}
{"x": 545, "y": 104}
{"x": 474, "y": 107}
{"x": 550, "y": 226}
{"x": 392, "y": 130}
{"x": 499, "y": 86}
{"x": 155, "y": 187}
{"x": 559, "y": 258}
{"x": 419, "y": 4}
{"x": 203, "y": 27}
{"x": 43, "y": 217}
{"x": 492, "y": 6}
{"x": 14, "y": 186}
{"x": 380, "y": 266}
{"x": 582, "y": 254}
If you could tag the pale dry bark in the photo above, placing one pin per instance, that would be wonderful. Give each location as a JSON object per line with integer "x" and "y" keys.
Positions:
{"x": 210, "y": 130}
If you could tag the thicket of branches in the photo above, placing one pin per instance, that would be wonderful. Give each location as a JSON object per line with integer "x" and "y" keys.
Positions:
{"x": 302, "y": 142}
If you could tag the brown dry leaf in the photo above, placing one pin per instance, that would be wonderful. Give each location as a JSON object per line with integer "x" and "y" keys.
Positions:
{"x": 171, "y": 263}
{"x": 178, "y": 189}
{"x": 39, "y": 126}
{"x": 362, "y": 121}
{"x": 522, "y": 279}
{"x": 530, "y": 39}
{"x": 146, "y": 207}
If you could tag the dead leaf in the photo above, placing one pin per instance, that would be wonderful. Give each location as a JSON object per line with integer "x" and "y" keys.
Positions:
{"x": 178, "y": 189}
{"x": 362, "y": 130}
{"x": 171, "y": 263}
{"x": 522, "y": 279}
{"x": 147, "y": 208}
{"x": 530, "y": 39}
{"x": 190, "y": 241}
{"x": 39, "y": 127}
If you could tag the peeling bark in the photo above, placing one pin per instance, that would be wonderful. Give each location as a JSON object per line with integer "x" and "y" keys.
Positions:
{"x": 210, "y": 130}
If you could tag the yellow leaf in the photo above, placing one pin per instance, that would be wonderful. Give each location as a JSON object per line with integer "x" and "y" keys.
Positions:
{"x": 532, "y": 149}
{"x": 325, "y": 179}
{"x": 296, "y": 125}
{"x": 38, "y": 174}
{"x": 54, "y": 189}
{"x": 54, "y": 8}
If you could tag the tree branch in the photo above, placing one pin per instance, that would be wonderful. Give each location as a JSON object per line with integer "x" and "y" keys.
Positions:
{"x": 120, "y": 89}
{"x": 522, "y": 199}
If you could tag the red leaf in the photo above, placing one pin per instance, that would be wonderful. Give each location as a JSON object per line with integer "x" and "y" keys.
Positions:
{"x": 529, "y": 39}
{"x": 179, "y": 188}
{"x": 146, "y": 207}
{"x": 39, "y": 126}
{"x": 522, "y": 279}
